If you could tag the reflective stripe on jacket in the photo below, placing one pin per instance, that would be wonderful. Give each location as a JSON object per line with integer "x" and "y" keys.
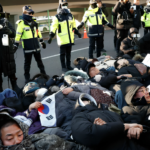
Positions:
{"x": 96, "y": 19}
{"x": 63, "y": 25}
{"x": 29, "y": 38}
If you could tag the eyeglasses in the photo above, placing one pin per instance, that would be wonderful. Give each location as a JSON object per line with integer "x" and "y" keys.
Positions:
{"x": 144, "y": 91}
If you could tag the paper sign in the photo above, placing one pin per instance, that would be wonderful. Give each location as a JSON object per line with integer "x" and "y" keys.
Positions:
{"x": 47, "y": 112}
{"x": 146, "y": 61}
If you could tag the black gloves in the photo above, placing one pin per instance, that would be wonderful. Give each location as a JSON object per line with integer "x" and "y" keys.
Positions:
{"x": 51, "y": 36}
{"x": 43, "y": 45}
{"x": 77, "y": 32}
{"x": 15, "y": 47}
{"x": 80, "y": 26}
{"x": 50, "y": 40}
{"x": 111, "y": 26}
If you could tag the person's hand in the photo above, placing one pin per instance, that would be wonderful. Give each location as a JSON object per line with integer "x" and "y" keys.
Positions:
{"x": 79, "y": 35}
{"x": 35, "y": 105}
{"x": 50, "y": 40}
{"x": 134, "y": 132}
{"x": 99, "y": 121}
{"x": 67, "y": 91}
{"x": 43, "y": 45}
{"x": 15, "y": 47}
{"x": 132, "y": 125}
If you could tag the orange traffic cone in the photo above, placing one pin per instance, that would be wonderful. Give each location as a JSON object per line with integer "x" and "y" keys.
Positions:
{"x": 85, "y": 34}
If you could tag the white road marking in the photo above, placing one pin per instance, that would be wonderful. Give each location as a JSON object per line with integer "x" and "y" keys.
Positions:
{"x": 59, "y": 54}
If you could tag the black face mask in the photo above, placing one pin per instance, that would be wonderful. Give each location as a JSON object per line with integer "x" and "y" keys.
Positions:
{"x": 139, "y": 101}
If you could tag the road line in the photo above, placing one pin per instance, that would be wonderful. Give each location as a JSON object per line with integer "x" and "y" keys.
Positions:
{"x": 59, "y": 54}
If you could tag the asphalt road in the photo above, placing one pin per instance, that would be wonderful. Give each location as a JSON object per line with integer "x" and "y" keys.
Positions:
{"x": 51, "y": 60}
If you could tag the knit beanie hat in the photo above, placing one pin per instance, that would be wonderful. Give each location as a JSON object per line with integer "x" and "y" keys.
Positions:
{"x": 30, "y": 87}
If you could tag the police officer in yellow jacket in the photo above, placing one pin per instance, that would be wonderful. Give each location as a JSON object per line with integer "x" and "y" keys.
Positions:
{"x": 28, "y": 32}
{"x": 146, "y": 18}
{"x": 96, "y": 19}
{"x": 64, "y": 24}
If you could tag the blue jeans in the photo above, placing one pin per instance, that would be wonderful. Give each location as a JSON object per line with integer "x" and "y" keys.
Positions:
{"x": 119, "y": 100}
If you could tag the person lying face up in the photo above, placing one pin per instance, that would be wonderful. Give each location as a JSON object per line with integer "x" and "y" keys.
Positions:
{"x": 103, "y": 77}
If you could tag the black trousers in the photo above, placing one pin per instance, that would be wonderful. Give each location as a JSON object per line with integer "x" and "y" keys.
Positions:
{"x": 146, "y": 30}
{"x": 121, "y": 34}
{"x": 65, "y": 56}
{"x": 99, "y": 45}
{"x": 27, "y": 63}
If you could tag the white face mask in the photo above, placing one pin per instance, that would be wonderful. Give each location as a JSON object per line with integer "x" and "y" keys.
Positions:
{"x": 64, "y": 7}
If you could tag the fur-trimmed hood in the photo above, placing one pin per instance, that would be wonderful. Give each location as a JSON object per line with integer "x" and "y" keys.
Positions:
{"x": 75, "y": 76}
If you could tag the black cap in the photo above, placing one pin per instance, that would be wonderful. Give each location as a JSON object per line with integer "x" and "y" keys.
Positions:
{"x": 1, "y": 8}
{"x": 28, "y": 9}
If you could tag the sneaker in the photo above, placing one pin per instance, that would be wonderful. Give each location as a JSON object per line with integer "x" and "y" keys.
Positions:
{"x": 69, "y": 68}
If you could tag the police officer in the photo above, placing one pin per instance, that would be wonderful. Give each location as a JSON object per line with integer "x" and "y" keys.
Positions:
{"x": 28, "y": 31}
{"x": 7, "y": 61}
{"x": 146, "y": 18}
{"x": 96, "y": 19}
{"x": 64, "y": 24}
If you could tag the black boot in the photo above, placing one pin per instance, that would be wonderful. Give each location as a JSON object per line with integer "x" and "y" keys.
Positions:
{"x": 27, "y": 78}
{"x": 68, "y": 60}
{"x": 14, "y": 85}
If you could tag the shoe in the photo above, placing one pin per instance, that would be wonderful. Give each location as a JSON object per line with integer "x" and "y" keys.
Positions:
{"x": 69, "y": 68}
{"x": 64, "y": 69}
{"x": 103, "y": 50}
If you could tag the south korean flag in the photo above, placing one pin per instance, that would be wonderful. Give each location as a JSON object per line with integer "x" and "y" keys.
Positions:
{"x": 47, "y": 112}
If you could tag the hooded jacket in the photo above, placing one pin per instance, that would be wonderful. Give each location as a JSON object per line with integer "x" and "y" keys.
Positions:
{"x": 110, "y": 136}
{"x": 39, "y": 141}
{"x": 127, "y": 45}
{"x": 129, "y": 88}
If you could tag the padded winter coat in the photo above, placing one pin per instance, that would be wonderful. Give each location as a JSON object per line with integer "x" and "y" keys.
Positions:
{"x": 7, "y": 60}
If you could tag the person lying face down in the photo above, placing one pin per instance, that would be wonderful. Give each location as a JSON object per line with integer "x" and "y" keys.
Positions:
{"x": 94, "y": 126}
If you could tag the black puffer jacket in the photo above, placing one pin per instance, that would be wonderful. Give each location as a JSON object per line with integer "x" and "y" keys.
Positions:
{"x": 131, "y": 69}
{"x": 145, "y": 43}
{"x": 110, "y": 136}
{"x": 7, "y": 61}
{"x": 124, "y": 17}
